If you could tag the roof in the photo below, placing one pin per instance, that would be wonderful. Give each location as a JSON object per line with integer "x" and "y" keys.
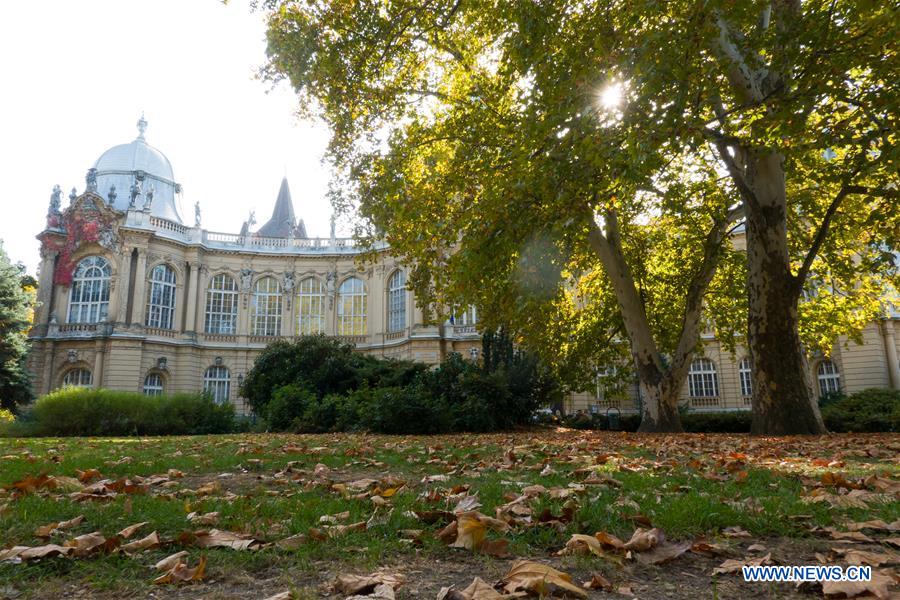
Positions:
{"x": 282, "y": 223}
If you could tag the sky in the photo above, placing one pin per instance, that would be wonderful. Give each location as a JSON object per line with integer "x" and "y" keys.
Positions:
{"x": 76, "y": 77}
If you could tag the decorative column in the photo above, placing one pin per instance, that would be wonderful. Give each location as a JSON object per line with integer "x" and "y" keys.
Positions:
{"x": 139, "y": 305}
{"x": 375, "y": 312}
{"x": 122, "y": 290}
{"x": 190, "y": 324}
{"x": 890, "y": 347}
{"x": 99, "y": 351}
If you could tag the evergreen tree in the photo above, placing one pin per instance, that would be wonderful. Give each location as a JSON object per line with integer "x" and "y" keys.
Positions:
{"x": 17, "y": 293}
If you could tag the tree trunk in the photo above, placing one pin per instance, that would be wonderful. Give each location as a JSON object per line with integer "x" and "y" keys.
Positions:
{"x": 659, "y": 409}
{"x": 783, "y": 402}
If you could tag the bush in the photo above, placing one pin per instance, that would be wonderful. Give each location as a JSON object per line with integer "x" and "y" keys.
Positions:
{"x": 407, "y": 410}
{"x": 6, "y": 416}
{"x": 717, "y": 422}
{"x": 96, "y": 412}
{"x": 870, "y": 410}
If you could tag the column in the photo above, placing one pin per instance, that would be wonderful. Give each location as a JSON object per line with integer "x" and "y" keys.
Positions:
{"x": 375, "y": 311}
{"x": 139, "y": 304}
{"x": 190, "y": 324}
{"x": 122, "y": 289}
{"x": 890, "y": 347}
{"x": 98, "y": 364}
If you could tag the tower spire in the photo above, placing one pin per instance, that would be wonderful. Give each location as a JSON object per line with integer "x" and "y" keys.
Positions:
{"x": 142, "y": 126}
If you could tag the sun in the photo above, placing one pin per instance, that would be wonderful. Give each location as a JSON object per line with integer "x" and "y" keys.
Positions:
{"x": 611, "y": 96}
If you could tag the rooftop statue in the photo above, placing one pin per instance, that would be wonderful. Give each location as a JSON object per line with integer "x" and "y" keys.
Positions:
{"x": 55, "y": 200}
{"x": 91, "y": 180}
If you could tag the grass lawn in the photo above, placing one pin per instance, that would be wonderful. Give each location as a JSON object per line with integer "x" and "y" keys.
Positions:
{"x": 299, "y": 510}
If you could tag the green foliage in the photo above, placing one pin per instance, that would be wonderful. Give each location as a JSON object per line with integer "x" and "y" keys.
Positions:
{"x": 390, "y": 396}
{"x": 321, "y": 365}
{"x": 17, "y": 296}
{"x": 870, "y": 410}
{"x": 93, "y": 412}
{"x": 6, "y": 416}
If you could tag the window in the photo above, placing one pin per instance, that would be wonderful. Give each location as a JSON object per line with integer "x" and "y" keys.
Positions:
{"x": 397, "y": 301}
{"x": 78, "y": 378}
{"x": 267, "y": 307}
{"x": 221, "y": 305}
{"x": 161, "y": 305}
{"x": 89, "y": 298}
{"x": 217, "y": 383}
{"x": 829, "y": 378}
{"x": 352, "y": 307}
{"x": 464, "y": 319}
{"x": 703, "y": 381}
{"x": 311, "y": 304}
{"x": 153, "y": 385}
{"x": 744, "y": 375}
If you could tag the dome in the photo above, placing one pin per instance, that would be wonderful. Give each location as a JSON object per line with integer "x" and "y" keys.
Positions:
{"x": 122, "y": 165}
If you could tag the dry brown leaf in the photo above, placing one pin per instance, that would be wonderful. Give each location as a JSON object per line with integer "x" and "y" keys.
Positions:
{"x": 663, "y": 553}
{"x": 352, "y": 585}
{"x": 644, "y": 539}
{"x": 280, "y": 596}
{"x": 735, "y": 532}
{"x": 876, "y": 525}
{"x": 878, "y": 586}
{"x": 181, "y": 573}
{"x": 293, "y": 542}
{"x": 495, "y": 548}
{"x": 92, "y": 542}
{"x": 849, "y": 536}
{"x": 23, "y": 553}
{"x": 864, "y": 557}
{"x": 582, "y": 544}
{"x": 48, "y": 530}
{"x": 150, "y": 541}
{"x": 210, "y": 518}
{"x": 539, "y": 579}
{"x": 735, "y": 565}
{"x": 598, "y": 582}
{"x": 131, "y": 529}
{"x": 87, "y": 475}
{"x": 170, "y": 561}
{"x": 214, "y": 538}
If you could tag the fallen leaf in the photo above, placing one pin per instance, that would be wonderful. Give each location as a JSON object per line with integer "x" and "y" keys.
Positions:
{"x": 864, "y": 557}
{"x": 145, "y": 543}
{"x": 215, "y": 538}
{"x": 210, "y": 518}
{"x": 170, "y": 561}
{"x": 598, "y": 582}
{"x": 129, "y": 531}
{"x": 878, "y": 586}
{"x": 362, "y": 584}
{"x": 47, "y": 530}
{"x": 539, "y": 579}
{"x": 735, "y": 565}
{"x": 180, "y": 573}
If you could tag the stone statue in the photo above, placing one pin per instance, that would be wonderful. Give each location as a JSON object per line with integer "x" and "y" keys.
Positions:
{"x": 91, "y": 180}
{"x": 136, "y": 192}
{"x": 330, "y": 280}
{"x": 149, "y": 202}
{"x": 197, "y": 214}
{"x": 246, "y": 279}
{"x": 332, "y": 225}
{"x": 55, "y": 200}
{"x": 107, "y": 238}
{"x": 111, "y": 195}
{"x": 73, "y": 194}
{"x": 288, "y": 283}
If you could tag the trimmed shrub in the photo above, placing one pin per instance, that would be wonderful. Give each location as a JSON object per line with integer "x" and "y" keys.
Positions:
{"x": 407, "y": 410}
{"x": 717, "y": 422}
{"x": 870, "y": 410}
{"x": 95, "y": 412}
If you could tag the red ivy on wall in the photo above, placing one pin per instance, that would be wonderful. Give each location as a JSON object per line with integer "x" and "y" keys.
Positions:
{"x": 83, "y": 224}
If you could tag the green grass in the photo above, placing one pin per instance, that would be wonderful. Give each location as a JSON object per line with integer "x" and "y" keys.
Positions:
{"x": 656, "y": 478}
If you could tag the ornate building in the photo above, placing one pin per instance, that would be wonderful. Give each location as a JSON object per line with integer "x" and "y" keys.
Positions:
{"x": 133, "y": 298}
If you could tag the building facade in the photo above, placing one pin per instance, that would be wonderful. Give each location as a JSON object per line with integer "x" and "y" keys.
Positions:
{"x": 132, "y": 297}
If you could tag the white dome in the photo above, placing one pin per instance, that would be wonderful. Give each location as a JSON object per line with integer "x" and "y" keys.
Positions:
{"x": 121, "y": 165}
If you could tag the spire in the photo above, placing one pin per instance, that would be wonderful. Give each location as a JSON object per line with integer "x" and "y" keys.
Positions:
{"x": 281, "y": 225}
{"x": 142, "y": 126}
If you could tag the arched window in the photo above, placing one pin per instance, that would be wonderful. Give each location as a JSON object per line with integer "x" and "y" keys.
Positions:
{"x": 397, "y": 301}
{"x": 267, "y": 307}
{"x": 221, "y": 305}
{"x": 829, "y": 378}
{"x": 89, "y": 298}
{"x": 161, "y": 302}
{"x": 352, "y": 307}
{"x": 217, "y": 383}
{"x": 744, "y": 375}
{"x": 78, "y": 378}
{"x": 703, "y": 381}
{"x": 153, "y": 385}
{"x": 311, "y": 304}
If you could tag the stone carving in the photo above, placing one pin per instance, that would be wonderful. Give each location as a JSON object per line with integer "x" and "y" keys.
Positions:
{"x": 72, "y": 356}
{"x": 73, "y": 194}
{"x": 246, "y": 279}
{"x": 149, "y": 202}
{"x": 136, "y": 192}
{"x": 332, "y": 226}
{"x": 55, "y": 200}
{"x": 107, "y": 238}
{"x": 91, "y": 180}
{"x": 197, "y": 214}
{"x": 288, "y": 283}
{"x": 330, "y": 280}
{"x": 111, "y": 195}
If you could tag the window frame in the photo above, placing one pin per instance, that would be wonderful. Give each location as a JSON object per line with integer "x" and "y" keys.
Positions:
{"x": 354, "y": 322}
{"x": 310, "y": 294}
{"x": 161, "y": 299}
{"x": 222, "y": 302}
{"x": 831, "y": 379}
{"x": 79, "y": 372}
{"x": 703, "y": 376}
{"x": 217, "y": 383}
{"x": 396, "y": 312}
{"x": 157, "y": 389}
{"x": 266, "y": 307}
{"x": 90, "y": 292}
{"x": 745, "y": 377}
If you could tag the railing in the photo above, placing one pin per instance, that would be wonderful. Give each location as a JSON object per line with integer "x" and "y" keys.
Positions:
{"x": 226, "y": 238}
{"x": 265, "y": 339}
{"x": 220, "y": 337}
{"x": 168, "y": 225}
{"x": 748, "y": 401}
{"x": 353, "y": 339}
{"x": 159, "y": 332}
{"x": 705, "y": 402}
{"x": 464, "y": 329}
{"x": 395, "y": 335}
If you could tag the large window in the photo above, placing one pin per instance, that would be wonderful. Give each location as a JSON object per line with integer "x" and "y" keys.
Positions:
{"x": 222, "y": 305}
{"x": 465, "y": 318}
{"x": 89, "y": 298}
{"x": 153, "y": 385}
{"x": 267, "y": 307}
{"x": 745, "y": 377}
{"x": 217, "y": 383}
{"x": 311, "y": 305}
{"x": 78, "y": 378}
{"x": 161, "y": 303}
{"x": 397, "y": 301}
{"x": 703, "y": 381}
{"x": 829, "y": 378}
{"x": 352, "y": 307}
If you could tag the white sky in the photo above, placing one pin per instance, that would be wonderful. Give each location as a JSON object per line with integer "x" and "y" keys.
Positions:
{"x": 76, "y": 76}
